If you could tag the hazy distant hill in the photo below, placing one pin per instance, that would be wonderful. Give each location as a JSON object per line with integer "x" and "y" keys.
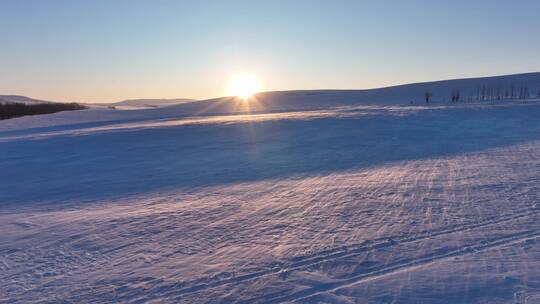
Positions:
{"x": 20, "y": 99}
{"x": 150, "y": 103}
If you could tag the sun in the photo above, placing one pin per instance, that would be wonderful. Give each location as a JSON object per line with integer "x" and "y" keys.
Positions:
{"x": 244, "y": 86}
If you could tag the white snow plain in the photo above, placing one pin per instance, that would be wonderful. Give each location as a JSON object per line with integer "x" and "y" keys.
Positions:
{"x": 335, "y": 204}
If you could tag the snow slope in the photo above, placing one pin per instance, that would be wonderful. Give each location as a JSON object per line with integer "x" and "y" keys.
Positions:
{"x": 358, "y": 203}
{"x": 152, "y": 102}
{"x": 401, "y": 94}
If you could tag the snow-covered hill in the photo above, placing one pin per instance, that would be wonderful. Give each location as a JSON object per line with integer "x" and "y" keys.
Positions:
{"x": 20, "y": 99}
{"x": 319, "y": 197}
{"x": 152, "y": 102}
{"x": 268, "y": 102}
{"x": 137, "y": 104}
{"x": 470, "y": 90}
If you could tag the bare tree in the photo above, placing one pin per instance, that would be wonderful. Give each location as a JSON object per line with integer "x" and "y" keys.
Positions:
{"x": 483, "y": 92}
{"x": 428, "y": 95}
{"x": 523, "y": 92}
{"x": 455, "y": 95}
{"x": 512, "y": 91}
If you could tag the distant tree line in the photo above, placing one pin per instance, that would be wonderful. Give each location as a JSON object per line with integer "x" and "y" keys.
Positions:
{"x": 428, "y": 95}
{"x": 501, "y": 92}
{"x": 486, "y": 93}
{"x": 10, "y": 110}
{"x": 455, "y": 95}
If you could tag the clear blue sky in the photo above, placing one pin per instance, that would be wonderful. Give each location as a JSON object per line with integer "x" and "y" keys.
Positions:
{"x": 111, "y": 50}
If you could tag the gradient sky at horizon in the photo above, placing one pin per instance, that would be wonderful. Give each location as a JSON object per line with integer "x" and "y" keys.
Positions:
{"x": 103, "y": 51}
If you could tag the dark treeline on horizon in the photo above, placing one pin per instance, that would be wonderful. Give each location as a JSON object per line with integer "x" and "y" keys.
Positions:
{"x": 489, "y": 93}
{"x": 11, "y": 110}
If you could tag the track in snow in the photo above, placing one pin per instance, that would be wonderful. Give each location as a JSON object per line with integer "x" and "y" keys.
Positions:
{"x": 355, "y": 250}
{"x": 405, "y": 265}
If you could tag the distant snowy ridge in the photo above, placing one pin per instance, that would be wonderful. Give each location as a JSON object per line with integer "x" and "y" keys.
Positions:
{"x": 469, "y": 89}
{"x": 507, "y": 87}
{"x": 21, "y": 99}
{"x": 142, "y": 103}
{"x": 135, "y": 104}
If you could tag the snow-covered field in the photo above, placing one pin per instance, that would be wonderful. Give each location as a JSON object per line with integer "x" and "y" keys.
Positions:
{"x": 334, "y": 204}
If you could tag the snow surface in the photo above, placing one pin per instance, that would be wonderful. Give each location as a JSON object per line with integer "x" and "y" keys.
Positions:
{"x": 340, "y": 202}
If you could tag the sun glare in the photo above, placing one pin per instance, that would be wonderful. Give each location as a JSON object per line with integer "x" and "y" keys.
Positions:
{"x": 244, "y": 86}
